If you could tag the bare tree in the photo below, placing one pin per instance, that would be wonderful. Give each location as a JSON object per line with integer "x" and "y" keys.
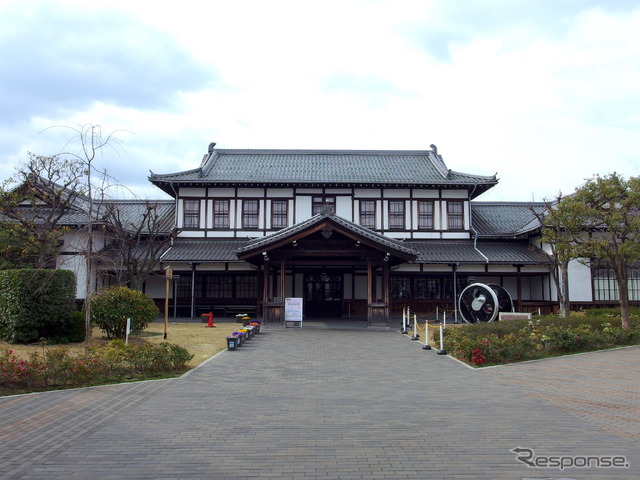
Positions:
{"x": 139, "y": 231}
{"x": 89, "y": 144}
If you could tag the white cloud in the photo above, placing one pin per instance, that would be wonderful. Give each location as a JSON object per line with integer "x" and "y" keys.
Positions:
{"x": 544, "y": 93}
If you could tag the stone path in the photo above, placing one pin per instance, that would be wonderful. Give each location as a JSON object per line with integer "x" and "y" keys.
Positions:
{"x": 333, "y": 404}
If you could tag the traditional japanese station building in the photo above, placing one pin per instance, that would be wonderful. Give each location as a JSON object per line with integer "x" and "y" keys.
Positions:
{"x": 352, "y": 233}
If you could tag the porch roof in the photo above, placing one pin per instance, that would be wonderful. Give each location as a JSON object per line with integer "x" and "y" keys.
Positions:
{"x": 358, "y": 231}
{"x": 212, "y": 250}
{"x": 463, "y": 251}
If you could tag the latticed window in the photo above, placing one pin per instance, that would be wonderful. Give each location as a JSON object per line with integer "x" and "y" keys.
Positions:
{"x": 221, "y": 214}
{"x": 219, "y": 286}
{"x": 246, "y": 287}
{"x": 455, "y": 215}
{"x": 396, "y": 214}
{"x": 400, "y": 287}
{"x": 191, "y": 214}
{"x": 279, "y": 213}
{"x": 425, "y": 288}
{"x": 320, "y": 201}
{"x": 368, "y": 213}
{"x": 425, "y": 215}
{"x": 605, "y": 284}
{"x": 250, "y": 210}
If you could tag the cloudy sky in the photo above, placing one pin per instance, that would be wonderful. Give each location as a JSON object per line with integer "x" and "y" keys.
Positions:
{"x": 544, "y": 92}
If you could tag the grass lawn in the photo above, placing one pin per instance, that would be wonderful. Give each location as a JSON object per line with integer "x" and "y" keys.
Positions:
{"x": 200, "y": 341}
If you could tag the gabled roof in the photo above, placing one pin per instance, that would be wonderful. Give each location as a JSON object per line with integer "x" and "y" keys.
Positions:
{"x": 506, "y": 219}
{"x": 338, "y": 168}
{"x": 357, "y": 231}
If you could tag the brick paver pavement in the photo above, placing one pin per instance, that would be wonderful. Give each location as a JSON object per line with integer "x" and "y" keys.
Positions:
{"x": 324, "y": 404}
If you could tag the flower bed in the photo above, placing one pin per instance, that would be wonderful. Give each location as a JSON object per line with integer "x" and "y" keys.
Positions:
{"x": 518, "y": 340}
{"x": 113, "y": 362}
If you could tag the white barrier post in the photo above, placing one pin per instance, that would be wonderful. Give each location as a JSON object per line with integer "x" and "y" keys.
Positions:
{"x": 404, "y": 322}
{"x": 442, "y": 351}
{"x": 426, "y": 335}
{"x": 444, "y": 319}
{"x": 415, "y": 328}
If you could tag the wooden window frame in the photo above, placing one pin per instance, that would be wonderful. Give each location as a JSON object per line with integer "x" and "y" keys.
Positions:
{"x": 368, "y": 213}
{"x": 219, "y": 216}
{"x": 426, "y": 219}
{"x": 319, "y": 201}
{"x": 190, "y": 215}
{"x": 457, "y": 216}
{"x": 279, "y": 219}
{"x": 250, "y": 214}
{"x": 394, "y": 215}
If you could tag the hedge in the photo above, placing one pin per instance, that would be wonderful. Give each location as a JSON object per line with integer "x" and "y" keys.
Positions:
{"x": 37, "y": 304}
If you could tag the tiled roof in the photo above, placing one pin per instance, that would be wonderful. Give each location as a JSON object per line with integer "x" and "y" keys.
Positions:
{"x": 131, "y": 212}
{"x": 429, "y": 251}
{"x": 324, "y": 167}
{"x": 358, "y": 230}
{"x": 499, "y": 219}
{"x": 464, "y": 251}
{"x": 203, "y": 250}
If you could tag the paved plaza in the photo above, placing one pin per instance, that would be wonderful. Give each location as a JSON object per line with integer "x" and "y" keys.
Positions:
{"x": 327, "y": 403}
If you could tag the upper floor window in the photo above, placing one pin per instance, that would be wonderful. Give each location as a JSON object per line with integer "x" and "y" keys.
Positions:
{"x": 322, "y": 200}
{"x": 396, "y": 214}
{"x": 250, "y": 210}
{"x": 191, "y": 214}
{"x": 455, "y": 215}
{"x": 425, "y": 215}
{"x": 279, "y": 213}
{"x": 368, "y": 213}
{"x": 221, "y": 214}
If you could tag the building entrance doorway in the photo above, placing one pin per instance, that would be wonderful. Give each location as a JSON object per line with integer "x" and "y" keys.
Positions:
{"x": 323, "y": 295}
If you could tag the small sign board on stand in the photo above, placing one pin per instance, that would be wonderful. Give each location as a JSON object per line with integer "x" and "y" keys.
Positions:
{"x": 293, "y": 312}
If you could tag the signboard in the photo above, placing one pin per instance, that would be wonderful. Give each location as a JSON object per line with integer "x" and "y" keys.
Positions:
{"x": 293, "y": 312}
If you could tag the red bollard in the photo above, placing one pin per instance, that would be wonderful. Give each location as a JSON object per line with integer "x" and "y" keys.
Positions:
{"x": 210, "y": 315}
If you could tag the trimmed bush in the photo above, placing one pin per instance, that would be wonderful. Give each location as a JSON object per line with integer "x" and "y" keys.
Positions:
{"x": 37, "y": 304}
{"x": 111, "y": 307}
{"x": 517, "y": 340}
{"x": 56, "y": 367}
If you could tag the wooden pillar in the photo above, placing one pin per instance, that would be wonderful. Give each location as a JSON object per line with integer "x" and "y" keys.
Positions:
{"x": 519, "y": 289}
{"x": 385, "y": 291}
{"x": 282, "y": 280}
{"x": 265, "y": 287}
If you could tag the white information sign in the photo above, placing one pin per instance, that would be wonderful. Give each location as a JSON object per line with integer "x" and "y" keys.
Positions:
{"x": 293, "y": 312}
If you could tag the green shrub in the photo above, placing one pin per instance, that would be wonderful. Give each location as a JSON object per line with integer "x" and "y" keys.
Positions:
{"x": 55, "y": 367}
{"x": 111, "y": 307}
{"x": 36, "y": 304}
{"x": 517, "y": 340}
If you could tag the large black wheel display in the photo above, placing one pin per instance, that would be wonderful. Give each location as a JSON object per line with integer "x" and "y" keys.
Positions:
{"x": 481, "y": 302}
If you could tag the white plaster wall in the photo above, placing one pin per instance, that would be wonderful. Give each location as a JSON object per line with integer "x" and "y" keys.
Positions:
{"x": 457, "y": 194}
{"x": 344, "y": 208}
{"x": 280, "y": 192}
{"x": 192, "y": 192}
{"x": 426, "y": 193}
{"x": 303, "y": 208}
{"x": 218, "y": 192}
{"x": 579, "y": 282}
{"x": 367, "y": 193}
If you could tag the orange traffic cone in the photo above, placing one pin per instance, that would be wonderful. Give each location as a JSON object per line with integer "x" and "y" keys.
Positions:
{"x": 210, "y": 315}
